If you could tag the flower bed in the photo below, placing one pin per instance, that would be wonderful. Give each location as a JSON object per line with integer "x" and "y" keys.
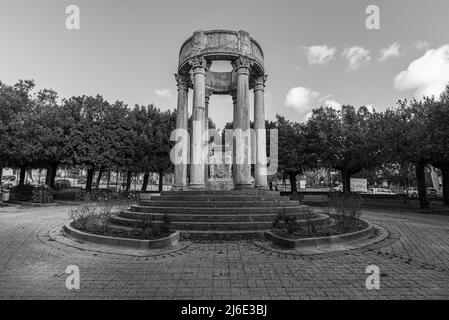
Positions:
{"x": 157, "y": 243}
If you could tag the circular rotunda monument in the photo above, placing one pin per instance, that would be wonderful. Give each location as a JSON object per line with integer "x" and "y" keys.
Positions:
{"x": 195, "y": 59}
{"x": 197, "y": 210}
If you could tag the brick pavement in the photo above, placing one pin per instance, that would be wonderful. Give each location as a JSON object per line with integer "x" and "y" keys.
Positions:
{"x": 414, "y": 264}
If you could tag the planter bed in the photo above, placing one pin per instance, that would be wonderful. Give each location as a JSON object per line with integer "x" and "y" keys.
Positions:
{"x": 165, "y": 242}
{"x": 314, "y": 241}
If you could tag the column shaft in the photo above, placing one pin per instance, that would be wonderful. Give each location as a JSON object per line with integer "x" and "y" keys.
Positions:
{"x": 199, "y": 67}
{"x": 242, "y": 126}
{"x": 260, "y": 172}
{"x": 180, "y": 172}
{"x": 206, "y": 132}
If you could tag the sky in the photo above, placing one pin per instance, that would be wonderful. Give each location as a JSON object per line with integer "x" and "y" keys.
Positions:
{"x": 316, "y": 52}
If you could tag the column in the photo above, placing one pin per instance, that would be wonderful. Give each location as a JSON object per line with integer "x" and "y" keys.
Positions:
{"x": 182, "y": 116}
{"x": 206, "y": 132}
{"x": 199, "y": 68}
{"x": 260, "y": 170}
{"x": 234, "y": 120}
{"x": 242, "y": 125}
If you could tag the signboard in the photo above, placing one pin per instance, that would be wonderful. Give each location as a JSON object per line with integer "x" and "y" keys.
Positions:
{"x": 359, "y": 185}
{"x": 302, "y": 184}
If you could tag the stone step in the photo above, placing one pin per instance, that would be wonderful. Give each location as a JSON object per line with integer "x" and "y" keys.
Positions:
{"x": 224, "y": 235}
{"x": 218, "y": 198}
{"x": 218, "y": 204}
{"x": 230, "y": 192}
{"x": 132, "y": 218}
{"x": 222, "y": 210}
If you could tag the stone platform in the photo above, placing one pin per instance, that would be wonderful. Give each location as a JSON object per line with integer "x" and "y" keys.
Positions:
{"x": 225, "y": 215}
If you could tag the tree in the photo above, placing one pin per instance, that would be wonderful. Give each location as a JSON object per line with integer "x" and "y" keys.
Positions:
{"x": 96, "y": 138}
{"x": 346, "y": 140}
{"x": 144, "y": 120}
{"x": 439, "y": 138}
{"x": 293, "y": 153}
{"x": 15, "y": 101}
{"x": 162, "y": 127}
{"x": 406, "y": 139}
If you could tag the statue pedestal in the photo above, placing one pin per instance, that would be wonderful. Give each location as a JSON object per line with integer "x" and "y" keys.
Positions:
{"x": 220, "y": 184}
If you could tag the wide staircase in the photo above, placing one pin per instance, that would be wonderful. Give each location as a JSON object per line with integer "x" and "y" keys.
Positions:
{"x": 222, "y": 215}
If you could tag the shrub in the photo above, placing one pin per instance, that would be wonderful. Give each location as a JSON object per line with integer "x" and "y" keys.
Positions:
{"x": 42, "y": 194}
{"x": 311, "y": 224}
{"x": 347, "y": 211}
{"x": 287, "y": 222}
{"x": 166, "y": 224}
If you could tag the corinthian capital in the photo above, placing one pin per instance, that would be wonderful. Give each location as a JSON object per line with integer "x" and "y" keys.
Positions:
{"x": 199, "y": 62}
{"x": 259, "y": 82}
{"x": 242, "y": 62}
{"x": 183, "y": 81}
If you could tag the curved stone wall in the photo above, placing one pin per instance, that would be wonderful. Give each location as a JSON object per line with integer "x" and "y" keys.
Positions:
{"x": 220, "y": 45}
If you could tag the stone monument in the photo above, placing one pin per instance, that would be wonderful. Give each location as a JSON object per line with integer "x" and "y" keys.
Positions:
{"x": 195, "y": 58}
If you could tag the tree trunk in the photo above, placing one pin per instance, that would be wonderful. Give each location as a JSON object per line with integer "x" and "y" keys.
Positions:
{"x": 54, "y": 170}
{"x": 161, "y": 185}
{"x": 292, "y": 178}
{"x": 422, "y": 186}
{"x": 346, "y": 177}
{"x": 48, "y": 176}
{"x": 90, "y": 179}
{"x": 109, "y": 179}
{"x": 22, "y": 175}
{"x": 445, "y": 173}
{"x": 100, "y": 174}
{"x": 128, "y": 180}
{"x": 146, "y": 176}
{"x": 1, "y": 172}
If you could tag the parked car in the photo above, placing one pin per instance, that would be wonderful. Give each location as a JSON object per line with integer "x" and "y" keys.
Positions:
{"x": 82, "y": 181}
{"x": 432, "y": 192}
{"x": 383, "y": 191}
{"x": 62, "y": 184}
{"x": 338, "y": 188}
{"x": 413, "y": 192}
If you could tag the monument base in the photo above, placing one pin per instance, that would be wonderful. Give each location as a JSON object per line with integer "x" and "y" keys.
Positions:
{"x": 220, "y": 184}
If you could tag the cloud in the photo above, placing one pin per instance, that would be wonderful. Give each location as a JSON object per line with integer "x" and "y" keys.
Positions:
{"x": 370, "y": 107}
{"x": 427, "y": 75}
{"x": 304, "y": 100}
{"x": 163, "y": 93}
{"x": 332, "y": 104}
{"x": 301, "y": 98}
{"x": 320, "y": 55}
{"x": 390, "y": 52}
{"x": 356, "y": 57}
{"x": 297, "y": 68}
{"x": 421, "y": 45}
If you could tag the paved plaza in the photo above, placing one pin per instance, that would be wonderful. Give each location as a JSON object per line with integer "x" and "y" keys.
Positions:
{"x": 413, "y": 260}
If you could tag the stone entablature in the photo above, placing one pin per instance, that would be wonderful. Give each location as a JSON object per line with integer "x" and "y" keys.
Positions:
{"x": 220, "y": 45}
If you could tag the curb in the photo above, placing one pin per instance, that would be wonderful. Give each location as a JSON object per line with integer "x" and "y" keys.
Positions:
{"x": 166, "y": 242}
{"x": 322, "y": 241}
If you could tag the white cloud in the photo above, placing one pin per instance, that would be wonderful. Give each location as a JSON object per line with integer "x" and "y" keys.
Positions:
{"x": 301, "y": 98}
{"x": 356, "y": 57}
{"x": 304, "y": 100}
{"x": 421, "y": 45}
{"x": 163, "y": 93}
{"x": 390, "y": 52}
{"x": 370, "y": 108}
{"x": 427, "y": 75}
{"x": 332, "y": 104}
{"x": 320, "y": 55}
